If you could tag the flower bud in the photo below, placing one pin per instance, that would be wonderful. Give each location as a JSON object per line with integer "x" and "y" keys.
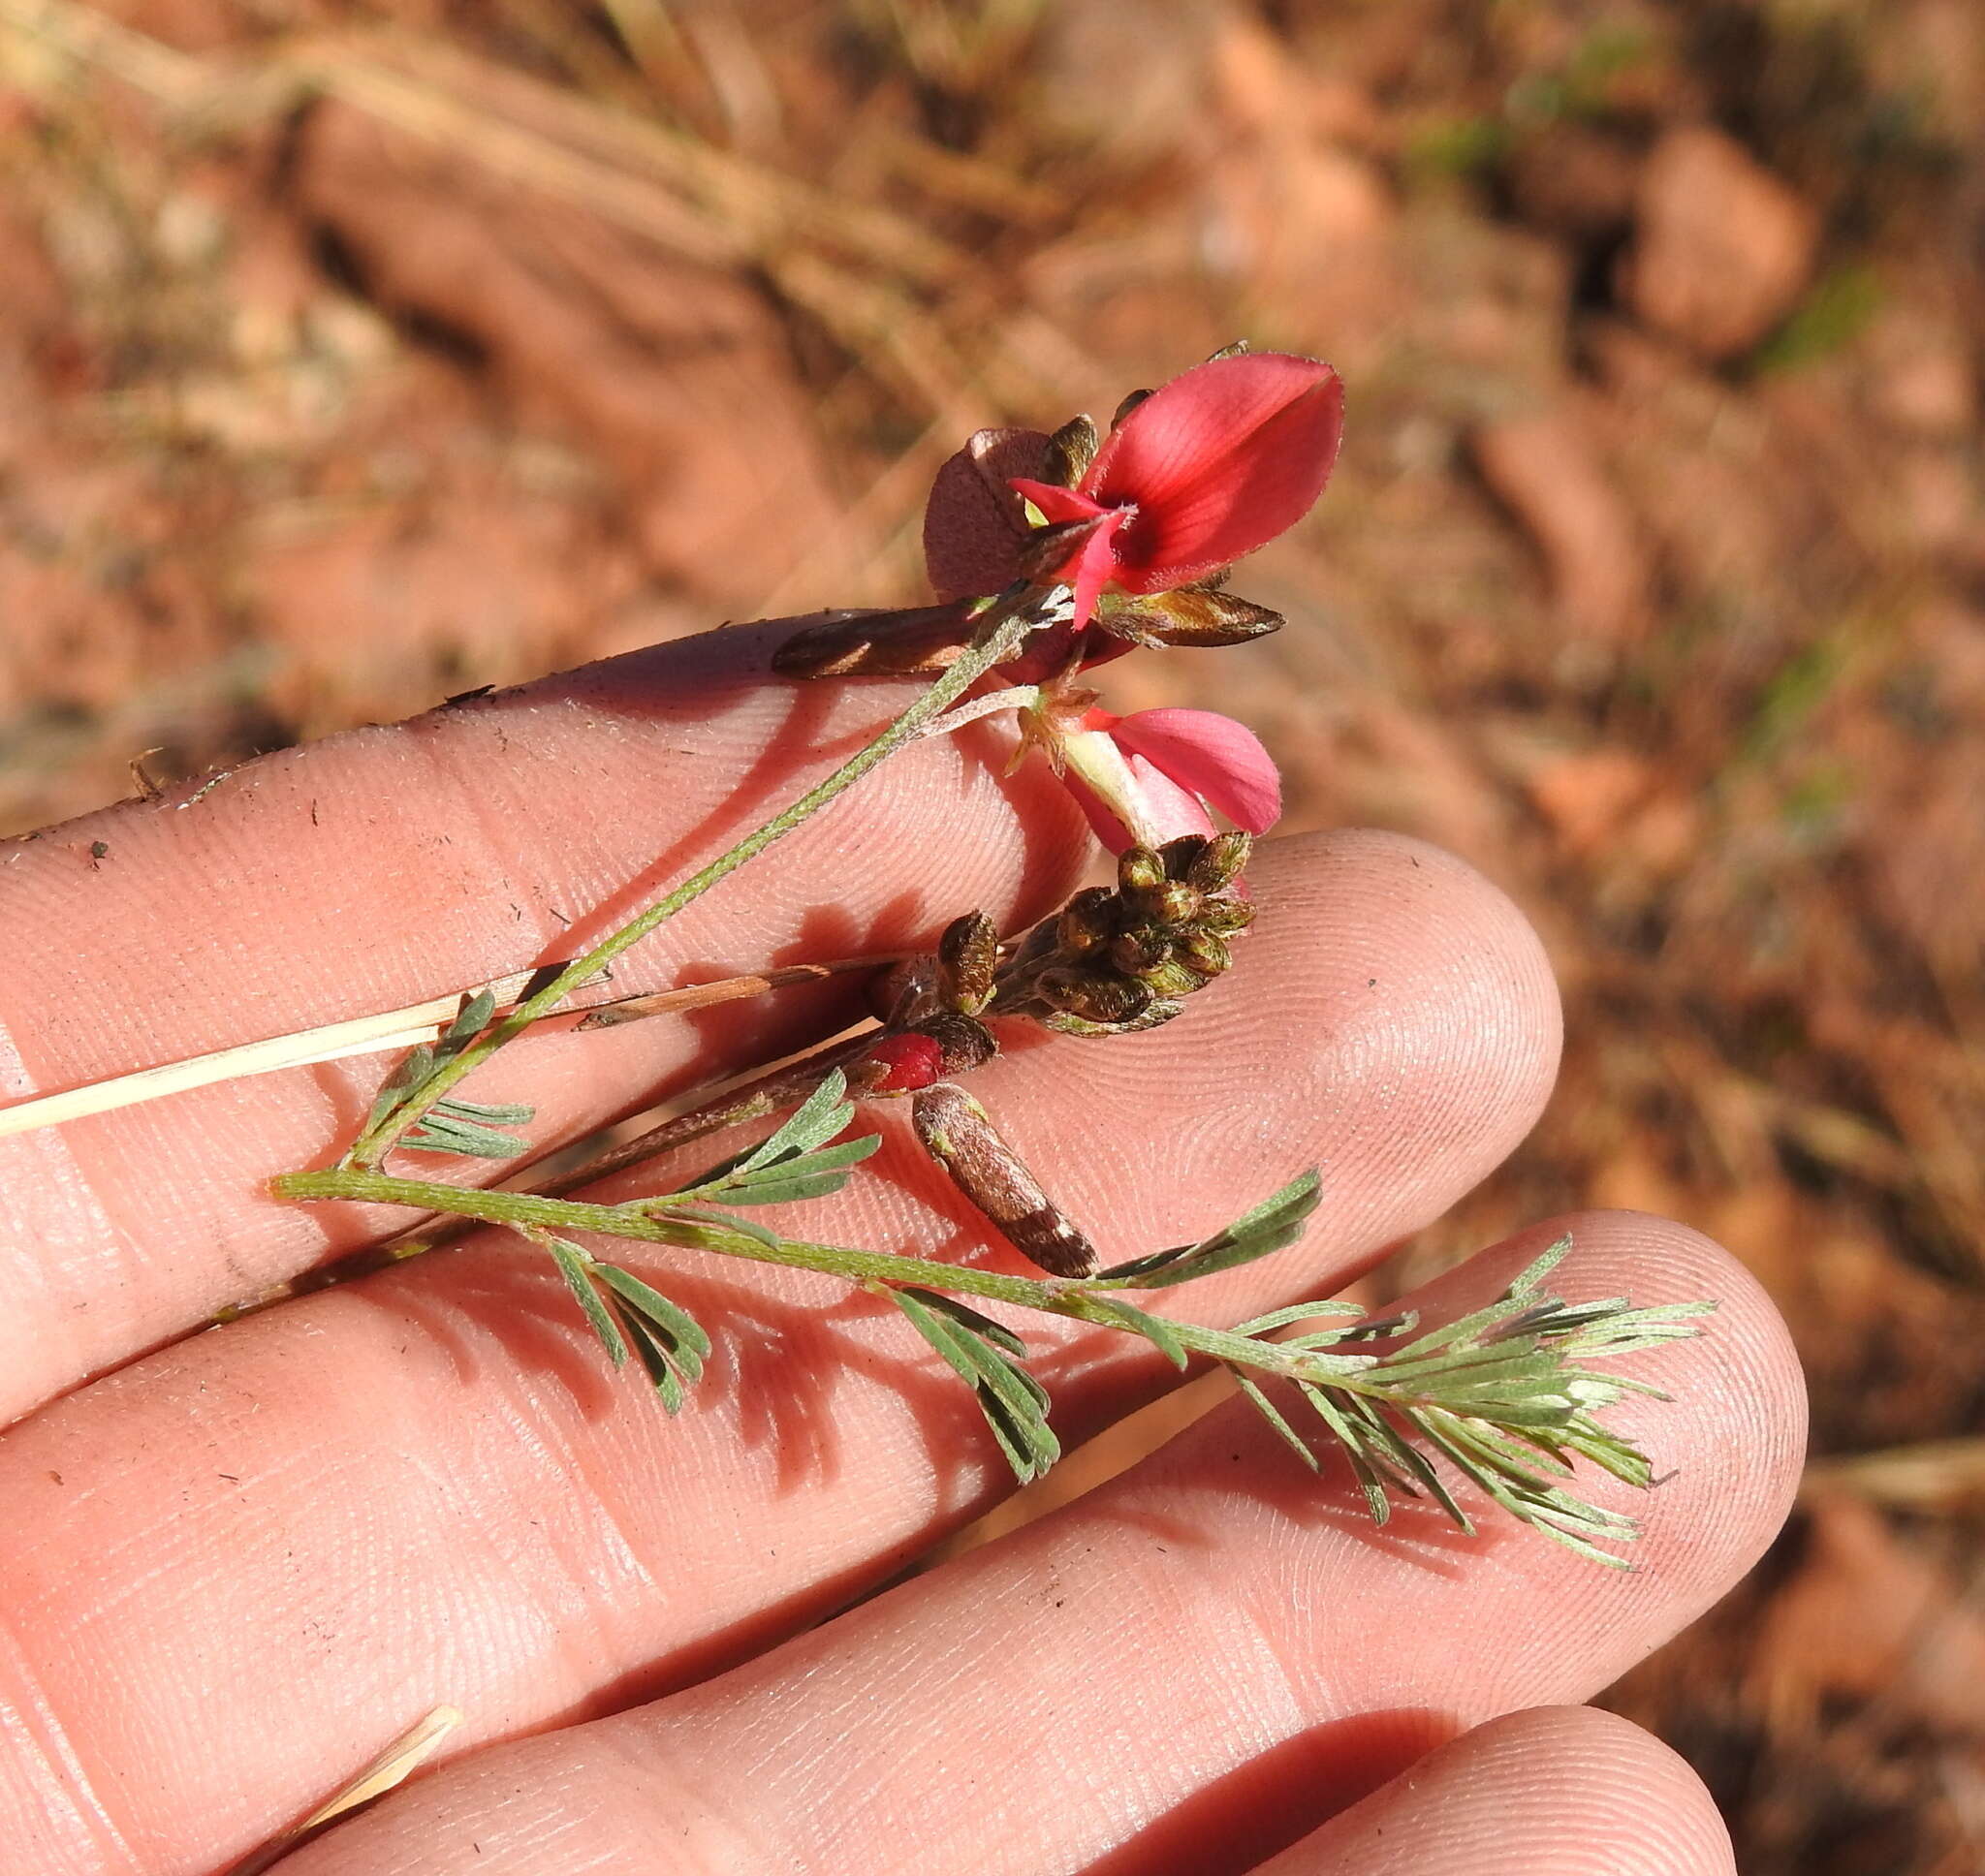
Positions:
{"x": 1087, "y": 920}
{"x": 1222, "y": 861}
{"x": 1160, "y": 1010}
{"x": 1070, "y": 451}
{"x": 1140, "y": 949}
{"x": 965, "y": 1042}
{"x": 899, "y": 1064}
{"x": 969, "y": 953}
{"x": 1226, "y": 915}
{"x": 1205, "y": 950}
{"x": 1139, "y": 870}
{"x": 1171, "y": 902}
{"x": 1097, "y": 996}
{"x": 1181, "y": 855}
{"x": 1174, "y": 978}
{"x": 902, "y": 992}
{"x": 1129, "y": 404}
{"x": 1047, "y": 550}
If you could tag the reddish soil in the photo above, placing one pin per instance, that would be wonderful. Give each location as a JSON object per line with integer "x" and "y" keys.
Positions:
{"x": 421, "y": 348}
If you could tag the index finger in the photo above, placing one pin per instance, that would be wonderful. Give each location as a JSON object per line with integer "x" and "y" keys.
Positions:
{"x": 386, "y": 865}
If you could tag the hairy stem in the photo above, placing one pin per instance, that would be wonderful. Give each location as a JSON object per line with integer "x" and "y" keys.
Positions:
{"x": 1082, "y": 1302}
{"x": 998, "y": 636}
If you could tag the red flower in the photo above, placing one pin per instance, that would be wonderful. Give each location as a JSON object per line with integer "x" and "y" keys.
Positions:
{"x": 1205, "y": 469}
{"x": 1149, "y": 777}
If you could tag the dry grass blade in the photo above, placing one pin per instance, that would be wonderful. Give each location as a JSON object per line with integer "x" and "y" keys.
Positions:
{"x": 397, "y": 1763}
{"x": 382, "y": 1034}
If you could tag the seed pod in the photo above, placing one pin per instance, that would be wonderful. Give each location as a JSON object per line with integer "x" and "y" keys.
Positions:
{"x": 862, "y": 642}
{"x": 960, "y": 1135}
{"x": 969, "y": 953}
{"x": 1191, "y": 617}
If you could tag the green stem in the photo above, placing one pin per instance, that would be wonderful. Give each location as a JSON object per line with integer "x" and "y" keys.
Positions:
{"x": 1087, "y": 1302}
{"x": 998, "y": 636}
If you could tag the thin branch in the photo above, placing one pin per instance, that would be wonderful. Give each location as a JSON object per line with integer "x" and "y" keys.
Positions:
{"x": 1004, "y": 625}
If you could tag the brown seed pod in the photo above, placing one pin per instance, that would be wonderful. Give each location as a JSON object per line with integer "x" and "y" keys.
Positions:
{"x": 960, "y": 1135}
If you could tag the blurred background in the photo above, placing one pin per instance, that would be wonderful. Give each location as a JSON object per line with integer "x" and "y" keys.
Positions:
{"x": 353, "y": 356}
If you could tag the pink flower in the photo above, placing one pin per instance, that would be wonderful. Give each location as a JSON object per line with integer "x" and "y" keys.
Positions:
{"x": 1149, "y": 777}
{"x": 1205, "y": 469}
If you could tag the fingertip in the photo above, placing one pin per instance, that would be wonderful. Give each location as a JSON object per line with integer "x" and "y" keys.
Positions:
{"x": 1391, "y": 1017}
{"x": 1725, "y": 1437}
{"x": 1550, "y": 1791}
{"x": 1737, "y": 1386}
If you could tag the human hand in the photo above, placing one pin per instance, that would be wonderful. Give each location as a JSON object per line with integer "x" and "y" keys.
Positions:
{"x": 236, "y": 1568}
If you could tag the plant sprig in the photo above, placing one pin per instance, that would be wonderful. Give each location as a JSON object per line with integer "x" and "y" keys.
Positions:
{"x": 424, "y": 1082}
{"x": 451, "y": 1125}
{"x": 1503, "y": 1396}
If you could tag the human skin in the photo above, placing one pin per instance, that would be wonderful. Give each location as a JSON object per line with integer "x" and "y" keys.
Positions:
{"x": 237, "y": 1566}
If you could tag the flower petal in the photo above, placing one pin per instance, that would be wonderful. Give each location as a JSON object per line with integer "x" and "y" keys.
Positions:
{"x": 1169, "y": 809}
{"x": 1055, "y": 502}
{"x": 1219, "y": 463}
{"x": 974, "y": 523}
{"x": 1109, "y": 831}
{"x": 1127, "y": 800}
{"x": 1220, "y": 760}
{"x": 1094, "y": 567}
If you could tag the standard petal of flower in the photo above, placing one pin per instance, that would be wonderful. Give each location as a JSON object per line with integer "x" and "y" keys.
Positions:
{"x": 1220, "y": 760}
{"x": 1220, "y": 462}
{"x": 974, "y": 523}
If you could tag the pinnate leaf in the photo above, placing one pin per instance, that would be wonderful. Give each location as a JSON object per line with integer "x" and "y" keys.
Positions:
{"x": 1269, "y": 1227}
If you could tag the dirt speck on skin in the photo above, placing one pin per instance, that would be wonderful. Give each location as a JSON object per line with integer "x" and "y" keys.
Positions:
{"x": 1652, "y": 580}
